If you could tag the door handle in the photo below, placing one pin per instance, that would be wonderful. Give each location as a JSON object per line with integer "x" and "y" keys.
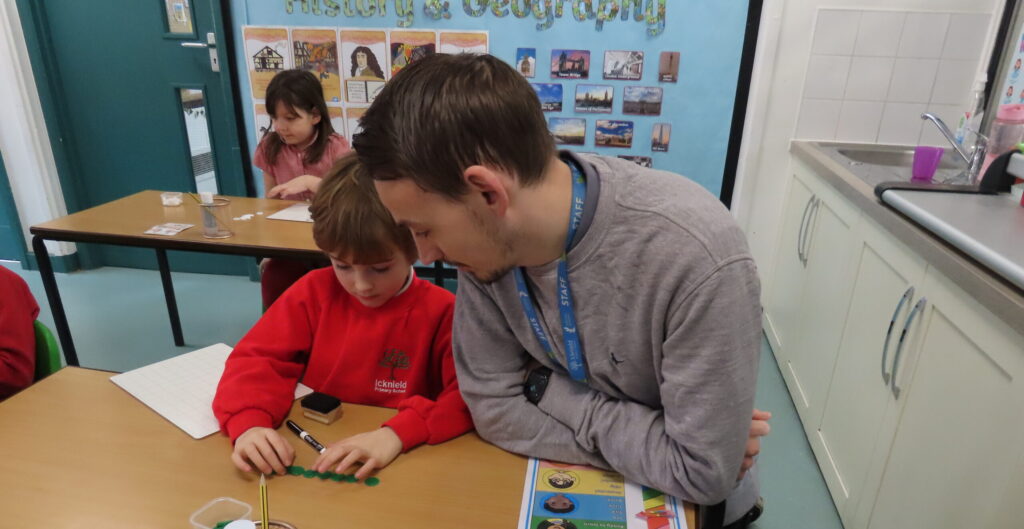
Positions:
{"x": 800, "y": 233}
{"x": 888, "y": 334}
{"x": 211, "y": 44}
{"x": 808, "y": 230}
{"x": 899, "y": 345}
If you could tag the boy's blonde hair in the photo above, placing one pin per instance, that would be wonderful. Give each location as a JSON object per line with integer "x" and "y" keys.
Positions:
{"x": 349, "y": 220}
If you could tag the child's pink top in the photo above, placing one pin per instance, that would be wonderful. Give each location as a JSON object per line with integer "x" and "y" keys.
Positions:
{"x": 290, "y": 162}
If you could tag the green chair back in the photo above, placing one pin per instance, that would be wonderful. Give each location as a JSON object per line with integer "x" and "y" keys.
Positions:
{"x": 47, "y": 351}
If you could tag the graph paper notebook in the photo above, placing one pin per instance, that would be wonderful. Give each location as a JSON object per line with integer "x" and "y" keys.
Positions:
{"x": 181, "y": 389}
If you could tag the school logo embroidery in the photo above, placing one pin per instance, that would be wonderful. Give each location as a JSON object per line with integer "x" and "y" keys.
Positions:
{"x": 392, "y": 359}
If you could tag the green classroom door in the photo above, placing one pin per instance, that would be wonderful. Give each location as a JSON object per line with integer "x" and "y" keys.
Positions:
{"x": 140, "y": 94}
{"x": 12, "y": 246}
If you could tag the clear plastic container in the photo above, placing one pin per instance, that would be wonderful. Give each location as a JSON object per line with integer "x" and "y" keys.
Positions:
{"x": 220, "y": 510}
{"x": 1006, "y": 132}
{"x": 170, "y": 198}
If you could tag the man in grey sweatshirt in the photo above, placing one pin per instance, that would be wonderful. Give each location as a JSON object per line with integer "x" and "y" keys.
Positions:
{"x": 607, "y": 314}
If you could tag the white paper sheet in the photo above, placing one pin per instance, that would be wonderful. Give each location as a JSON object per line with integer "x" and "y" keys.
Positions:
{"x": 296, "y": 212}
{"x": 181, "y": 389}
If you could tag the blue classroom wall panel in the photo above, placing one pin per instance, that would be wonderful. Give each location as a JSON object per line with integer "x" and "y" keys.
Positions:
{"x": 699, "y": 106}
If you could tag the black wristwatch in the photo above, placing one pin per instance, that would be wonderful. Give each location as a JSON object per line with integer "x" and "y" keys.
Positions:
{"x": 536, "y": 383}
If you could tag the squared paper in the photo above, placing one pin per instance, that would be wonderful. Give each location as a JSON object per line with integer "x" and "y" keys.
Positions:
{"x": 181, "y": 389}
{"x": 296, "y": 212}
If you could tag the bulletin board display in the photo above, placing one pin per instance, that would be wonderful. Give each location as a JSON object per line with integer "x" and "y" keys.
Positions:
{"x": 649, "y": 80}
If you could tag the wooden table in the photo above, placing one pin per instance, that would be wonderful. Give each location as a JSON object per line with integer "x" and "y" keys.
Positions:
{"x": 124, "y": 221}
{"x": 80, "y": 452}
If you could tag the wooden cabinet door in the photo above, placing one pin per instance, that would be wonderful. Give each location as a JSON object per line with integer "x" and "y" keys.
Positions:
{"x": 959, "y": 435}
{"x": 883, "y": 295}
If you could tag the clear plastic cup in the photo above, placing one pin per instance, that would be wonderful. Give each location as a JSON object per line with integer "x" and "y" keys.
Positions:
{"x": 220, "y": 510}
{"x": 170, "y": 198}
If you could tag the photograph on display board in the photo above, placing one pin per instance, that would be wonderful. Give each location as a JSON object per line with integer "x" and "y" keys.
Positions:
{"x": 453, "y": 42}
{"x": 363, "y": 62}
{"x": 642, "y": 100}
{"x": 642, "y": 161}
{"x": 624, "y": 65}
{"x": 668, "y": 67}
{"x": 337, "y": 119}
{"x": 594, "y": 98}
{"x": 526, "y": 61}
{"x": 550, "y": 95}
{"x": 316, "y": 51}
{"x": 261, "y": 119}
{"x": 570, "y": 64}
{"x": 613, "y": 133}
{"x": 352, "y": 116}
{"x": 568, "y": 131}
{"x": 661, "y": 135}
{"x": 266, "y": 53}
{"x": 409, "y": 46}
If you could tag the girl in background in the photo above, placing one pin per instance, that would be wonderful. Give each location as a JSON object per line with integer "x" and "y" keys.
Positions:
{"x": 299, "y": 148}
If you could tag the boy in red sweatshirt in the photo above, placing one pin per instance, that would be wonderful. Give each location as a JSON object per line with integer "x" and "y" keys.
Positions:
{"x": 366, "y": 330}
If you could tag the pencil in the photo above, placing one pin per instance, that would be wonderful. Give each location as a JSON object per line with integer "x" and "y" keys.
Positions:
{"x": 201, "y": 204}
{"x": 264, "y": 511}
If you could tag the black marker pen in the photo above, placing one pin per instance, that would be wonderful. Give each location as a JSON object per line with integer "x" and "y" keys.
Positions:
{"x": 304, "y": 435}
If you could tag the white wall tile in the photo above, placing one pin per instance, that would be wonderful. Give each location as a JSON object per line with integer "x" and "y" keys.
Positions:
{"x": 826, "y": 77}
{"x": 912, "y": 80}
{"x": 966, "y": 36}
{"x": 923, "y": 35}
{"x": 953, "y": 82}
{"x": 859, "y": 121}
{"x": 879, "y": 33}
{"x": 835, "y": 32}
{"x": 901, "y": 123}
{"x": 869, "y": 78}
{"x": 818, "y": 119}
{"x": 930, "y": 134}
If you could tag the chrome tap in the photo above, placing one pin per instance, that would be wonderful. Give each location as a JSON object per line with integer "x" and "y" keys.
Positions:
{"x": 974, "y": 159}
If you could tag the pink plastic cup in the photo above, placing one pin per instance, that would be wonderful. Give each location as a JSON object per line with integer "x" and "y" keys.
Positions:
{"x": 926, "y": 161}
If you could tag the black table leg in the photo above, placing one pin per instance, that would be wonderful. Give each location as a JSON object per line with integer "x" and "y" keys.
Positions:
{"x": 60, "y": 320}
{"x": 172, "y": 304}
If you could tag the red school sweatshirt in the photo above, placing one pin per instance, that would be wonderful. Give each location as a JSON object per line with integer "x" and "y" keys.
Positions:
{"x": 398, "y": 355}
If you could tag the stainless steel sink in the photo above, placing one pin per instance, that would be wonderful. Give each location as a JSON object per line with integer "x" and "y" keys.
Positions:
{"x": 897, "y": 157}
{"x": 875, "y": 164}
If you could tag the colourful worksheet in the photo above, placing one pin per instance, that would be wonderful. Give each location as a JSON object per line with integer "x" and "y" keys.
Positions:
{"x": 560, "y": 496}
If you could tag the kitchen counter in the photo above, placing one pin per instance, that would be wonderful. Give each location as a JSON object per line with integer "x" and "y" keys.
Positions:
{"x": 856, "y": 182}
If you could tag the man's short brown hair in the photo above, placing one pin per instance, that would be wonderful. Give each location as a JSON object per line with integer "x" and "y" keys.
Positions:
{"x": 445, "y": 113}
{"x": 350, "y": 222}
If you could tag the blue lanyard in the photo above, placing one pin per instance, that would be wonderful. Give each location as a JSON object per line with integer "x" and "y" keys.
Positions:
{"x": 573, "y": 350}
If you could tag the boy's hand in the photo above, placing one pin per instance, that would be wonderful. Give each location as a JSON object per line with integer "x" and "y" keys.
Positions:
{"x": 759, "y": 427}
{"x": 263, "y": 448}
{"x": 375, "y": 449}
{"x": 296, "y": 186}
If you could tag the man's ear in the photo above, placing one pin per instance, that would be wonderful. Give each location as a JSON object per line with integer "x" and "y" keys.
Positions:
{"x": 488, "y": 185}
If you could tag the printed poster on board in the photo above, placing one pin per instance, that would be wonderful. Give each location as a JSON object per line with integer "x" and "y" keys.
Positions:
{"x": 352, "y": 116}
{"x": 316, "y": 51}
{"x": 463, "y": 42}
{"x": 337, "y": 119}
{"x": 266, "y": 53}
{"x": 364, "y": 62}
{"x": 409, "y": 46}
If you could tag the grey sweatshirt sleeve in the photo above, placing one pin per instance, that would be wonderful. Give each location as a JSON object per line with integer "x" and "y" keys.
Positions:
{"x": 491, "y": 366}
{"x": 694, "y": 447}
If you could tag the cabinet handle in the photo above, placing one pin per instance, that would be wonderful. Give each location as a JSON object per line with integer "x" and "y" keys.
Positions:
{"x": 888, "y": 334}
{"x": 899, "y": 345}
{"x": 800, "y": 233}
{"x": 808, "y": 230}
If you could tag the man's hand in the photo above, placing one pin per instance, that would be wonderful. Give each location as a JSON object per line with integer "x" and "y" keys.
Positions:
{"x": 263, "y": 448}
{"x": 375, "y": 449}
{"x": 759, "y": 427}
